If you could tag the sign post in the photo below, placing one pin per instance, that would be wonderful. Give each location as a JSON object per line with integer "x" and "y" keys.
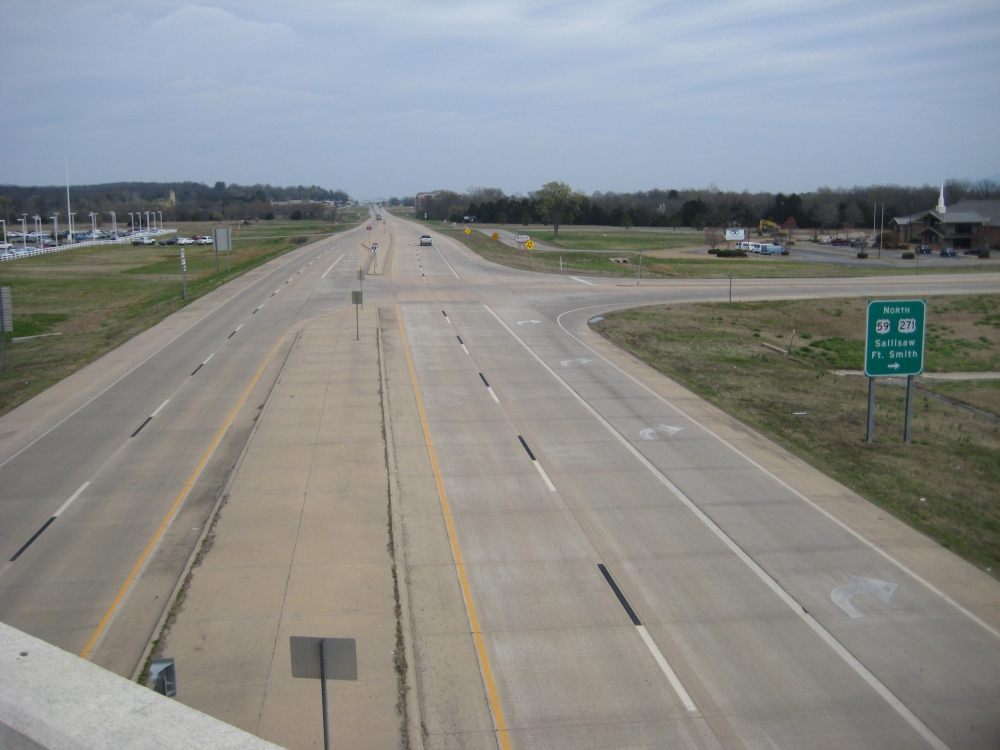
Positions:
{"x": 6, "y": 323}
{"x": 324, "y": 659}
{"x": 375, "y": 254}
{"x": 894, "y": 346}
{"x": 356, "y": 300}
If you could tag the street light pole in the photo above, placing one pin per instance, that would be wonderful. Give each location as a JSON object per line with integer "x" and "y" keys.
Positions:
{"x": 160, "y": 214}
{"x": 4, "y": 222}
{"x": 147, "y": 221}
{"x": 131, "y": 221}
{"x": 881, "y": 231}
{"x": 55, "y": 228}
{"x": 38, "y": 230}
{"x": 24, "y": 231}
{"x": 71, "y": 226}
{"x": 114, "y": 224}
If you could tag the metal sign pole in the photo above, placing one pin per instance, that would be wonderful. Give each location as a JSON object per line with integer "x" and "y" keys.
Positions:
{"x": 730, "y": 289}
{"x": 640, "y": 267}
{"x": 322, "y": 682}
{"x": 184, "y": 278}
{"x": 909, "y": 408}
{"x": 871, "y": 410}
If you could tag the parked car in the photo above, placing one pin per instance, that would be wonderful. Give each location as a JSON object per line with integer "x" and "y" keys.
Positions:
{"x": 203, "y": 240}
{"x": 949, "y": 252}
{"x": 924, "y": 249}
{"x": 426, "y": 240}
{"x": 168, "y": 241}
{"x": 143, "y": 241}
{"x": 184, "y": 241}
{"x": 769, "y": 249}
{"x": 4, "y": 246}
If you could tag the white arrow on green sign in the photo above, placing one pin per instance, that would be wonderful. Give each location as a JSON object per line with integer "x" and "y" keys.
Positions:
{"x": 894, "y": 344}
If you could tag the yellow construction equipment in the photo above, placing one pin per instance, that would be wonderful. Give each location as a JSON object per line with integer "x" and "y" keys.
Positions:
{"x": 772, "y": 229}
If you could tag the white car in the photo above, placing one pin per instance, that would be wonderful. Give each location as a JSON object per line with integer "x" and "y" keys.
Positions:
{"x": 204, "y": 241}
{"x": 185, "y": 241}
{"x": 5, "y": 246}
{"x": 426, "y": 240}
{"x": 143, "y": 241}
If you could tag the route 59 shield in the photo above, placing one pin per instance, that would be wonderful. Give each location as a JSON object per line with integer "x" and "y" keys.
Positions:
{"x": 894, "y": 344}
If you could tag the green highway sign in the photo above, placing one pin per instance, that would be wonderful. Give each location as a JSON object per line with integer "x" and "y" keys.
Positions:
{"x": 894, "y": 344}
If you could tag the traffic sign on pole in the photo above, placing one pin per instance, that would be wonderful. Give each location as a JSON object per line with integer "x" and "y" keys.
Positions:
{"x": 894, "y": 344}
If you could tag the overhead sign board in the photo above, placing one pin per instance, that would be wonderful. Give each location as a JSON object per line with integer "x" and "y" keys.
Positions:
{"x": 894, "y": 344}
{"x": 734, "y": 235}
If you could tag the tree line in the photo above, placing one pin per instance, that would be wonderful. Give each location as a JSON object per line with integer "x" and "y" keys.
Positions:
{"x": 824, "y": 208}
{"x": 192, "y": 201}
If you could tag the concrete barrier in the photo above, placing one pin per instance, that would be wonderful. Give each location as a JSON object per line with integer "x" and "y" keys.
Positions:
{"x": 55, "y": 700}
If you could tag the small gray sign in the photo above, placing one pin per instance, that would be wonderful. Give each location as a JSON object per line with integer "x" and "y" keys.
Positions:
{"x": 222, "y": 239}
{"x": 341, "y": 657}
{"x": 357, "y": 298}
{"x": 6, "y": 309}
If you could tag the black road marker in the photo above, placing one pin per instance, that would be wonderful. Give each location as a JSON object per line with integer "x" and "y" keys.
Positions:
{"x": 37, "y": 534}
{"x": 148, "y": 420}
{"x": 621, "y": 597}
{"x": 444, "y": 313}
{"x": 231, "y": 335}
{"x": 255, "y": 311}
{"x": 530, "y": 454}
{"x": 488, "y": 385}
{"x": 460, "y": 340}
{"x": 198, "y": 368}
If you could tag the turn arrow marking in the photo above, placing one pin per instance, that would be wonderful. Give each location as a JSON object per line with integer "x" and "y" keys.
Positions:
{"x": 842, "y": 594}
{"x": 650, "y": 432}
{"x": 522, "y": 322}
{"x": 568, "y": 362}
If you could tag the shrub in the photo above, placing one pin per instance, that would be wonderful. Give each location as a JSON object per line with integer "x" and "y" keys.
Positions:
{"x": 908, "y": 255}
{"x": 713, "y": 251}
{"x": 862, "y": 255}
{"x": 296, "y": 215}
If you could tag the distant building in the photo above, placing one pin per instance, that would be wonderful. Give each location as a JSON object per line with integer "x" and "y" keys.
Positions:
{"x": 967, "y": 224}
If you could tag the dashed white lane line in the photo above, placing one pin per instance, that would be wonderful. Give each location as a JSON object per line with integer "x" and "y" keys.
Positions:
{"x": 209, "y": 357}
{"x": 331, "y": 267}
{"x": 548, "y": 482}
{"x": 583, "y": 281}
{"x": 158, "y": 408}
{"x": 69, "y": 502}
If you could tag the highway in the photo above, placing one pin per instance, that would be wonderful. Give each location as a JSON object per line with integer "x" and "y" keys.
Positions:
{"x": 637, "y": 570}
{"x": 110, "y": 451}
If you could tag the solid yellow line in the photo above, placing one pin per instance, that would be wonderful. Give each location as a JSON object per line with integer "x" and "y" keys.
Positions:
{"x": 466, "y": 592}
{"x": 180, "y": 498}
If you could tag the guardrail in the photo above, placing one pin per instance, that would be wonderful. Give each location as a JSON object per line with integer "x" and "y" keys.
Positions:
{"x": 86, "y": 243}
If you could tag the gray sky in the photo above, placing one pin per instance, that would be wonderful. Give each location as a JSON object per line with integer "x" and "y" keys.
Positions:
{"x": 387, "y": 98}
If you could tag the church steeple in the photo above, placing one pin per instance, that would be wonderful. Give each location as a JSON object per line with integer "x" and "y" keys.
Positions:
{"x": 941, "y": 208}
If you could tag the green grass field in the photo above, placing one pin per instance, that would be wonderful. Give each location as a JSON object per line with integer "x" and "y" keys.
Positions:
{"x": 591, "y": 263}
{"x": 944, "y": 483}
{"x": 97, "y": 298}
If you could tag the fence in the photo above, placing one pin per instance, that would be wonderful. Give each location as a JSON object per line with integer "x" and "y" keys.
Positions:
{"x": 17, "y": 254}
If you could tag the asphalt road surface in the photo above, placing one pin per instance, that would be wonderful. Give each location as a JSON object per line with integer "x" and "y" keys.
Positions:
{"x": 638, "y": 580}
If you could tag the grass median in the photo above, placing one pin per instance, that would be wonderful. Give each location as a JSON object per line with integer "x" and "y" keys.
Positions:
{"x": 944, "y": 483}
{"x": 96, "y": 298}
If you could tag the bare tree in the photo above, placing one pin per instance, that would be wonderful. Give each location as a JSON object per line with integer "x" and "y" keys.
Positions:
{"x": 713, "y": 237}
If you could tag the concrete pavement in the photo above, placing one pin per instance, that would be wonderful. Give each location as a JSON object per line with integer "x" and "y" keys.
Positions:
{"x": 300, "y": 548}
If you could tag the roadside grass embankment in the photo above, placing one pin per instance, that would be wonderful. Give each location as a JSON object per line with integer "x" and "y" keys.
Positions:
{"x": 596, "y": 262}
{"x": 98, "y": 297}
{"x": 945, "y": 483}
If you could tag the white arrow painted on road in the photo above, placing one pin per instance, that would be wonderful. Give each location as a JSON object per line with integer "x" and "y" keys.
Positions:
{"x": 522, "y": 322}
{"x": 842, "y": 594}
{"x": 650, "y": 432}
{"x": 568, "y": 362}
